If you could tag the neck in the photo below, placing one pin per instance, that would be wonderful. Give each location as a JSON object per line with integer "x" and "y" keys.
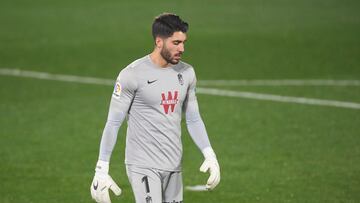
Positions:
{"x": 157, "y": 59}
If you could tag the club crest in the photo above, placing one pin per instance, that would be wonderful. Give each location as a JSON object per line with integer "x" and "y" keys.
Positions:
{"x": 180, "y": 78}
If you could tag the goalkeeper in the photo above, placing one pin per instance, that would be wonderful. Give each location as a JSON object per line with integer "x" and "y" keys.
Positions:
{"x": 151, "y": 94}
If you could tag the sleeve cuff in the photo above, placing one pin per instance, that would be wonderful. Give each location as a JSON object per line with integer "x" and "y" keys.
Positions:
{"x": 102, "y": 166}
{"x": 208, "y": 152}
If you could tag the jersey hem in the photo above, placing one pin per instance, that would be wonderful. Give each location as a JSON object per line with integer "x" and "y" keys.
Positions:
{"x": 154, "y": 167}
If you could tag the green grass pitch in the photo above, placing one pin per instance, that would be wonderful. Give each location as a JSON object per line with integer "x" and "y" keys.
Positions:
{"x": 268, "y": 151}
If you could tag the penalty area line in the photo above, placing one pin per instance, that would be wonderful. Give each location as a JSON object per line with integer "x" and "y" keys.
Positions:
{"x": 200, "y": 90}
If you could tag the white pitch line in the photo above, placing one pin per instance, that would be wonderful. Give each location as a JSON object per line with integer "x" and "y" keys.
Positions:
{"x": 57, "y": 77}
{"x": 284, "y": 82}
{"x": 208, "y": 91}
{"x": 196, "y": 188}
{"x": 278, "y": 98}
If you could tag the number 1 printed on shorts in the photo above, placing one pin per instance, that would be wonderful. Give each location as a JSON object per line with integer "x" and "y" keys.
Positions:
{"x": 147, "y": 189}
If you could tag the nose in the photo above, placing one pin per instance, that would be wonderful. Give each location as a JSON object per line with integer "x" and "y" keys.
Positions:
{"x": 181, "y": 47}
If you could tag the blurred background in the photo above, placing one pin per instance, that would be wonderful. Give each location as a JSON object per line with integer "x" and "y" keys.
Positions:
{"x": 269, "y": 151}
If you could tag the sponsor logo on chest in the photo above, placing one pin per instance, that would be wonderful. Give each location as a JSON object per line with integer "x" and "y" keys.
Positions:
{"x": 169, "y": 101}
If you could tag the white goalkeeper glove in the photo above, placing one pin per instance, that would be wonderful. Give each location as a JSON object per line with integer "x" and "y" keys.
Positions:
{"x": 102, "y": 182}
{"x": 211, "y": 164}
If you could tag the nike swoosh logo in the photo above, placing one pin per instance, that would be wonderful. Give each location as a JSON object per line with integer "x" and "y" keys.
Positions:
{"x": 149, "y": 82}
{"x": 95, "y": 186}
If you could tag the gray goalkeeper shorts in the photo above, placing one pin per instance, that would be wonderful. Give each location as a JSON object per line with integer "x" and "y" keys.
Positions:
{"x": 155, "y": 186}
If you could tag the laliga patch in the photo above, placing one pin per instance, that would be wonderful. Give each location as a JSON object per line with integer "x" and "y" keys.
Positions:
{"x": 117, "y": 89}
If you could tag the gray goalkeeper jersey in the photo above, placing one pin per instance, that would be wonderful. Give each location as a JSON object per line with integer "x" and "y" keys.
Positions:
{"x": 153, "y": 99}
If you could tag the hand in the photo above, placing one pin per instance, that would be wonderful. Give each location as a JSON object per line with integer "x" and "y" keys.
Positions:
{"x": 102, "y": 182}
{"x": 211, "y": 164}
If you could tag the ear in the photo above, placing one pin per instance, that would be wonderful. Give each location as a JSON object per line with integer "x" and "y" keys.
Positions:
{"x": 159, "y": 42}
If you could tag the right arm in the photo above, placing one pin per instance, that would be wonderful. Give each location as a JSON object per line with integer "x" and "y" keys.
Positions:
{"x": 123, "y": 95}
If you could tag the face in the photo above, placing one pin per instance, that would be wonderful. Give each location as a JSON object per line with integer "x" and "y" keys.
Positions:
{"x": 173, "y": 47}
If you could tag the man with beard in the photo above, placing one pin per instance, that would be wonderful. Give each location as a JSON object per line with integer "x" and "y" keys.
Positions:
{"x": 152, "y": 92}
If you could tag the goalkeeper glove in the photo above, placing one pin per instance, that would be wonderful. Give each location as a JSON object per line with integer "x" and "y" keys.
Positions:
{"x": 102, "y": 182}
{"x": 211, "y": 164}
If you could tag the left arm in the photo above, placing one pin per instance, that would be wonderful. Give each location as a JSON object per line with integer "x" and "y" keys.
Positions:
{"x": 197, "y": 131}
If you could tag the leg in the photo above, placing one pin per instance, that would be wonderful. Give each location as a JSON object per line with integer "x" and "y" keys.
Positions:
{"x": 173, "y": 188}
{"x": 145, "y": 183}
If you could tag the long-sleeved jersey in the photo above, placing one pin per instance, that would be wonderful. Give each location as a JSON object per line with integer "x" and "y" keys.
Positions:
{"x": 153, "y": 99}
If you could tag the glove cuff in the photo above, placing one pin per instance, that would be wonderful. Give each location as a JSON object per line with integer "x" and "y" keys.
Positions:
{"x": 208, "y": 153}
{"x": 102, "y": 167}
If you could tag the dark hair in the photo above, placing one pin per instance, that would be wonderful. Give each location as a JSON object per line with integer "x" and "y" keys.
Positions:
{"x": 166, "y": 24}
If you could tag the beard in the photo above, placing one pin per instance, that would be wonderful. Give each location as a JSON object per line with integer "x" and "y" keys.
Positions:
{"x": 165, "y": 53}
